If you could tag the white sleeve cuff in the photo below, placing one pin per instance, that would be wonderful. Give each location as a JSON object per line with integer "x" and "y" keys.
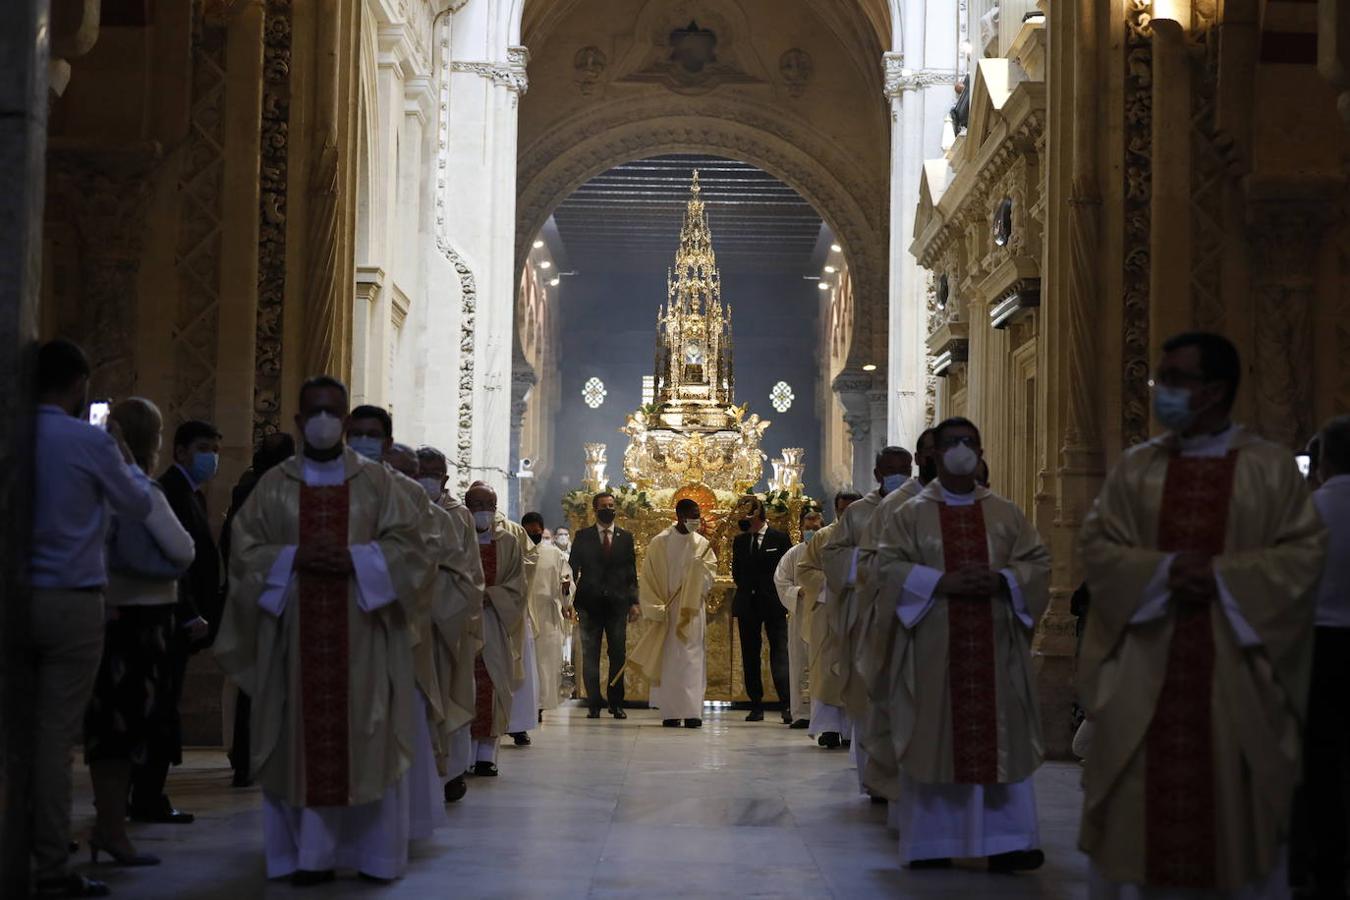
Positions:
{"x": 374, "y": 588}
{"x": 1156, "y": 594}
{"x": 273, "y": 596}
{"x": 1242, "y": 630}
{"x": 916, "y": 596}
{"x": 1019, "y": 602}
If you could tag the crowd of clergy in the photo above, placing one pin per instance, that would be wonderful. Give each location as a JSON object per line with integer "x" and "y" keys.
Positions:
{"x": 389, "y": 637}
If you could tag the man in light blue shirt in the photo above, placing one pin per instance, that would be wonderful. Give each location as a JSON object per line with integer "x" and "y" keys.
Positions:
{"x": 80, "y": 472}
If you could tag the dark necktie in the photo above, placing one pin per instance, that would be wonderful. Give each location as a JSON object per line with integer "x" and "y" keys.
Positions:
{"x": 604, "y": 546}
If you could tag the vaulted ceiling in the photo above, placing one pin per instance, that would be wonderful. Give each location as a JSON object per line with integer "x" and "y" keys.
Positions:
{"x": 629, "y": 218}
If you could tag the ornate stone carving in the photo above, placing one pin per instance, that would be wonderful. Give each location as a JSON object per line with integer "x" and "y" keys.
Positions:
{"x": 588, "y": 64}
{"x": 510, "y": 74}
{"x": 323, "y": 347}
{"x": 797, "y": 69}
{"x": 899, "y": 79}
{"x": 1209, "y": 184}
{"x": 1138, "y": 175}
{"x": 275, "y": 142}
{"x": 197, "y": 257}
{"x": 685, "y": 55}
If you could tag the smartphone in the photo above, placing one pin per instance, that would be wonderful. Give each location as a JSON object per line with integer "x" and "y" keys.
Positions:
{"x": 1304, "y": 463}
{"x": 98, "y": 413}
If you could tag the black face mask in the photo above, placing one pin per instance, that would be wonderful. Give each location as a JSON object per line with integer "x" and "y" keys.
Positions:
{"x": 536, "y": 537}
{"x": 744, "y": 524}
{"x": 605, "y": 516}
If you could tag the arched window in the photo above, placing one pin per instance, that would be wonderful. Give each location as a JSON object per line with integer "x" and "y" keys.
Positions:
{"x": 593, "y": 392}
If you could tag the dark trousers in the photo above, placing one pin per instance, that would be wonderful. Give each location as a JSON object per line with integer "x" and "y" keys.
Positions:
{"x": 613, "y": 626}
{"x": 1321, "y": 829}
{"x": 239, "y": 743}
{"x": 751, "y": 647}
{"x": 148, "y": 777}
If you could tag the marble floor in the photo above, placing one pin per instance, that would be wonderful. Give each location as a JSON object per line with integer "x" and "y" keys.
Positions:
{"x": 614, "y": 809}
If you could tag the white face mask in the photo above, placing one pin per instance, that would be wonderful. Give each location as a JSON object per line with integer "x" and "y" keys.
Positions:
{"x": 960, "y": 460}
{"x": 693, "y": 525}
{"x": 323, "y": 431}
{"x": 563, "y": 541}
{"x": 483, "y": 519}
{"x": 432, "y": 486}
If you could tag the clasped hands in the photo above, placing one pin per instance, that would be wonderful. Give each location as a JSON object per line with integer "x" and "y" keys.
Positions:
{"x": 970, "y": 581}
{"x": 324, "y": 556}
{"x": 1191, "y": 578}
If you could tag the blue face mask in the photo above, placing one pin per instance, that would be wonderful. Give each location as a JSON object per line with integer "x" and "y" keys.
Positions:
{"x": 891, "y": 483}
{"x": 1172, "y": 406}
{"x": 808, "y": 534}
{"x": 372, "y": 448}
{"x": 203, "y": 467}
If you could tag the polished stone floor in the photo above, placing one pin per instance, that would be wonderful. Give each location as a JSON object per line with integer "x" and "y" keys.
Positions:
{"x": 615, "y": 809}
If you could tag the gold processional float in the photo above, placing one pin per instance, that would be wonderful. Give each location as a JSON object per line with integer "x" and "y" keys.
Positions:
{"x": 693, "y": 441}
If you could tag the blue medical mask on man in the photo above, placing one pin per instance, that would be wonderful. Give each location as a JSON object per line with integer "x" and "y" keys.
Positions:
{"x": 891, "y": 483}
{"x": 1172, "y": 407}
{"x": 807, "y": 534}
{"x": 203, "y": 466}
{"x": 372, "y": 448}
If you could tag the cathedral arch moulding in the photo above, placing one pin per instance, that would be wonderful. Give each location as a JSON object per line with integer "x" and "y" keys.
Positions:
{"x": 555, "y": 165}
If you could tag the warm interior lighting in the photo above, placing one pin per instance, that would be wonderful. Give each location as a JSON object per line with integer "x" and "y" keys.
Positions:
{"x": 554, "y": 281}
{"x": 538, "y": 244}
{"x": 870, "y": 367}
{"x": 823, "y": 285}
{"x": 1178, "y": 11}
{"x": 835, "y": 248}
{"x": 830, "y": 269}
{"x": 546, "y": 265}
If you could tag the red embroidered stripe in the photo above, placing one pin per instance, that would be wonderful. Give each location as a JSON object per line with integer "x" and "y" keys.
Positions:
{"x": 970, "y": 652}
{"x": 1181, "y": 839}
{"x": 324, "y": 666}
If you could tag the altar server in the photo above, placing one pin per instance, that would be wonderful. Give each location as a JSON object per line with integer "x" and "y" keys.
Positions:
{"x": 1202, "y": 553}
{"x": 962, "y": 578}
{"x": 327, "y": 558}
{"x": 798, "y": 607}
{"x": 550, "y": 604}
{"x": 677, "y": 573}
{"x": 497, "y": 671}
{"x": 827, "y": 720}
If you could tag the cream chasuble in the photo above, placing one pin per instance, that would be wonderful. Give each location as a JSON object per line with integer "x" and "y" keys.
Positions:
{"x": 823, "y": 661}
{"x": 503, "y": 615}
{"x": 848, "y": 616}
{"x": 798, "y": 606}
{"x": 551, "y": 575}
{"x": 328, "y": 662}
{"x": 1235, "y": 668}
{"x": 677, "y": 573}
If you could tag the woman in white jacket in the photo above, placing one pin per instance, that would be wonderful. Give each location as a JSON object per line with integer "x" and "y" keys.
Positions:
{"x": 145, "y": 560}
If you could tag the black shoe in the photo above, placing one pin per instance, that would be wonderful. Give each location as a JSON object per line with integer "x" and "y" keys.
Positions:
{"x": 829, "y": 740}
{"x": 1016, "y": 861}
{"x": 541, "y": 717}
{"x": 593, "y": 713}
{"x": 800, "y": 725}
{"x": 787, "y": 717}
{"x": 96, "y": 846}
{"x": 311, "y": 877}
{"x": 756, "y": 715}
{"x": 71, "y": 886}
{"x": 485, "y": 769}
{"x": 522, "y": 738}
{"x": 670, "y": 723}
{"x": 941, "y": 863}
{"x": 617, "y": 712}
{"x": 693, "y": 723}
{"x": 455, "y": 789}
{"x": 373, "y": 879}
{"x": 165, "y": 816}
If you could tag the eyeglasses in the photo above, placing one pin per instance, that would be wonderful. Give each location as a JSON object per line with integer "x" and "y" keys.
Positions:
{"x": 969, "y": 440}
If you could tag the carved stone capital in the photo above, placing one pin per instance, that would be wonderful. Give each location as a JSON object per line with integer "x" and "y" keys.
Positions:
{"x": 859, "y": 426}
{"x": 899, "y": 79}
{"x": 510, "y": 74}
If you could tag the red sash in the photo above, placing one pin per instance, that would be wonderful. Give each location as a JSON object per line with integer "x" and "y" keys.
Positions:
{"x": 1180, "y": 824}
{"x": 970, "y": 651}
{"x": 323, "y": 653}
{"x": 481, "y": 726}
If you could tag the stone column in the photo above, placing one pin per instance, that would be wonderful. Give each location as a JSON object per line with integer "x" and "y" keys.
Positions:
{"x": 1333, "y": 50}
{"x": 1170, "y": 298}
{"x": 24, "y": 32}
{"x": 523, "y": 380}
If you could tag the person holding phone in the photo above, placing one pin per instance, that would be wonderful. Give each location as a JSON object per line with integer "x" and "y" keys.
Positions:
{"x": 80, "y": 473}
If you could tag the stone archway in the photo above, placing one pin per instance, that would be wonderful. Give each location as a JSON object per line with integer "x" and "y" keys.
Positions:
{"x": 854, "y": 207}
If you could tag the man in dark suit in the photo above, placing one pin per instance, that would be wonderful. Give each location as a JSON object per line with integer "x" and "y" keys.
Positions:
{"x": 754, "y": 558}
{"x": 196, "y": 457}
{"x": 604, "y": 563}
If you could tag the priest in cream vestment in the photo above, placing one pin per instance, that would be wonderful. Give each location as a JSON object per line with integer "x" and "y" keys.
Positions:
{"x": 677, "y": 573}
{"x": 1201, "y": 554}
{"x": 525, "y": 694}
{"x": 798, "y": 606}
{"x": 550, "y": 603}
{"x": 962, "y": 578}
{"x": 828, "y": 723}
{"x": 327, "y": 558}
{"x": 497, "y": 670}
{"x": 456, "y": 623}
